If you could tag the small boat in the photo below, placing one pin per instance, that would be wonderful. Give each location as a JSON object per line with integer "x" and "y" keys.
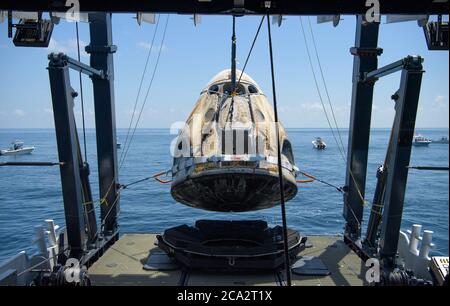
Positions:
{"x": 443, "y": 140}
{"x": 319, "y": 144}
{"x": 17, "y": 148}
{"x": 420, "y": 141}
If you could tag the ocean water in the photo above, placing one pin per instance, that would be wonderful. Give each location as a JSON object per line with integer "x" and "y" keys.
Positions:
{"x": 29, "y": 195}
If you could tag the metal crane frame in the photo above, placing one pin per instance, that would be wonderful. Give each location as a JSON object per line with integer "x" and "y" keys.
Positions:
{"x": 101, "y": 70}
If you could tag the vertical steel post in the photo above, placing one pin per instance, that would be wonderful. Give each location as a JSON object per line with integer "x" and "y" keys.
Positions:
{"x": 62, "y": 98}
{"x": 403, "y": 132}
{"x": 101, "y": 52}
{"x": 365, "y": 52}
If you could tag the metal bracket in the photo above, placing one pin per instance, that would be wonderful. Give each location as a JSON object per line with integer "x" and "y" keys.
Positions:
{"x": 355, "y": 51}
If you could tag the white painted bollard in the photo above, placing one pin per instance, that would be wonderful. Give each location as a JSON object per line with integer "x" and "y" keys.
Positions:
{"x": 51, "y": 231}
{"x": 426, "y": 244}
{"x": 415, "y": 238}
{"x": 40, "y": 240}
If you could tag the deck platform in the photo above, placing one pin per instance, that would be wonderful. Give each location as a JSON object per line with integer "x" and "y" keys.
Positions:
{"x": 122, "y": 265}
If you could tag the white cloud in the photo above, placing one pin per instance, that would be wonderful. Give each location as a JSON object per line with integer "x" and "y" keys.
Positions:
{"x": 441, "y": 101}
{"x": 69, "y": 47}
{"x": 48, "y": 111}
{"x": 19, "y": 112}
{"x": 311, "y": 106}
{"x": 146, "y": 46}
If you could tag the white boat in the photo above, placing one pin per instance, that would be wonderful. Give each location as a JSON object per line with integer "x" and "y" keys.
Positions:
{"x": 420, "y": 141}
{"x": 17, "y": 148}
{"x": 319, "y": 144}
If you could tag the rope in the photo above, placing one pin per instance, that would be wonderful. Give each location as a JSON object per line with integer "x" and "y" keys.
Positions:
{"x": 318, "y": 89}
{"x": 81, "y": 94}
{"x": 148, "y": 90}
{"x": 40, "y": 263}
{"x": 428, "y": 168}
{"x": 103, "y": 200}
{"x": 31, "y": 164}
{"x": 154, "y": 176}
{"x": 326, "y": 87}
{"x": 280, "y": 169}
{"x": 140, "y": 85}
{"x": 313, "y": 178}
{"x": 251, "y": 49}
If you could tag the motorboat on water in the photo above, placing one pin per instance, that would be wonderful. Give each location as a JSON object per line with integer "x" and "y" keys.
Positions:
{"x": 319, "y": 143}
{"x": 17, "y": 148}
{"x": 420, "y": 141}
{"x": 443, "y": 140}
{"x": 225, "y": 157}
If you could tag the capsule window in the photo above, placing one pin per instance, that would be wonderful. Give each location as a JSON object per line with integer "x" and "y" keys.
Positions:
{"x": 213, "y": 89}
{"x": 252, "y": 89}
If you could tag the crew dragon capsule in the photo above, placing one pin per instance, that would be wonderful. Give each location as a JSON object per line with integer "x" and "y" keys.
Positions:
{"x": 225, "y": 157}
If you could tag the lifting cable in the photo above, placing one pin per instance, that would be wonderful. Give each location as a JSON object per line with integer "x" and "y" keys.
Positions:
{"x": 325, "y": 86}
{"x": 146, "y": 95}
{"x": 233, "y": 61}
{"x": 233, "y": 73}
{"x": 251, "y": 49}
{"x": 318, "y": 89}
{"x": 339, "y": 142}
{"x": 280, "y": 169}
{"x": 140, "y": 84}
{"x": 81, "y": 94}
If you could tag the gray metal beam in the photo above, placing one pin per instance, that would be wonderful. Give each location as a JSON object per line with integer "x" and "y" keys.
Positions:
{"x": 402, "y": 133}
{"x": 365, "y": 60}
{"x": 62, "y": 98}
{"x": 101, "y": 52}
{"x": 284, "y": 7}
{"x": 384, "y": 71}
{"x": 83, "y": 68}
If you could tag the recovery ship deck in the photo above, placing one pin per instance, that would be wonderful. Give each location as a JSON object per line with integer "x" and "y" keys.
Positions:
{"x": 122, "y": 264}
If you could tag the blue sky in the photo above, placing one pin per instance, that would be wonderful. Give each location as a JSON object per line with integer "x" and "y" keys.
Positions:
{"x": 191, "y": 56}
